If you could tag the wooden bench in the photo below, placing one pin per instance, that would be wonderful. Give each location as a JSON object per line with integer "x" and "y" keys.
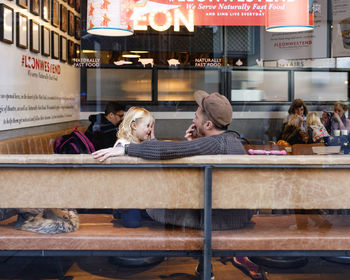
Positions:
{"x": 222, "y": 181}
{"x": 34, "y": 144}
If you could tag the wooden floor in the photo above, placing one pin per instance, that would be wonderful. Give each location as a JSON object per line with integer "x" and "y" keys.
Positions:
{"x": 99, "y": 268}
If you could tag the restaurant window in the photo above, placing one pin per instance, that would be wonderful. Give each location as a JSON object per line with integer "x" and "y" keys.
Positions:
{"x": 179, "y": 85}
{"x": 287, "y": 199}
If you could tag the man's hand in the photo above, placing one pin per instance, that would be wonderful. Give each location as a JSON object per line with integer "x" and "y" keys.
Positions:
{"x": 324, "y": 116}
{"x": 103, "y": 154}
{"x": 191, "y": 133}
{"x": 336, "y": 116}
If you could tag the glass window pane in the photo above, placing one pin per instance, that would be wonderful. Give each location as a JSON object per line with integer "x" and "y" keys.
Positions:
{"x": 179, "y": 85}
{"x": 343, "y": 62}
{"x": 321, "y": 86}
{"x": 259, "y": 86}
{"x": 119, "y": 84}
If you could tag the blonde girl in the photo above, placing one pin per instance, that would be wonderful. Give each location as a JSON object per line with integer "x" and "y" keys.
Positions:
{"x": 137, "y": 126}
{"x": 316, "y": 128}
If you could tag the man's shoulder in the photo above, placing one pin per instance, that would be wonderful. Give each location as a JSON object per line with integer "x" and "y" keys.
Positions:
{"x": 227, "y": 135}
{"x": 99, "y": 122}
{"x": 97, "y": 118}
{"x": 92, "y": 118}
{"x": 230, "y": 143}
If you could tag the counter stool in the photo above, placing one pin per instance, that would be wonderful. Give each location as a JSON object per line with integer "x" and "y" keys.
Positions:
{"x": 131, "y": 218}
{"x": 135, "y": 261}
{"x": 342, "y": 259}
{"x": 281, "y": 262}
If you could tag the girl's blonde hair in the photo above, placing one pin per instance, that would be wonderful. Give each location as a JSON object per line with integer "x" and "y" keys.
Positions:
{"x": 313, "y": 119}
{"x": 134, "y": 114}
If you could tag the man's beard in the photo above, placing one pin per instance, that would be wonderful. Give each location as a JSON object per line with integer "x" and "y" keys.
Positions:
{"x": 200, "y": 131}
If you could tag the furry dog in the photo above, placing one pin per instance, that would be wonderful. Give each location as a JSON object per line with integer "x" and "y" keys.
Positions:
{"x": 49, "y": 221}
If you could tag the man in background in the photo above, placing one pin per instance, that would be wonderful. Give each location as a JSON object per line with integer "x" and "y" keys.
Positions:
{"x": 102, "y": 131}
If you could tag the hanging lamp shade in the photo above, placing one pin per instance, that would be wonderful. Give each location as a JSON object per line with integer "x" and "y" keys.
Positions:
{"x": 109, "y": 17}
{"x": 296, "y": 16}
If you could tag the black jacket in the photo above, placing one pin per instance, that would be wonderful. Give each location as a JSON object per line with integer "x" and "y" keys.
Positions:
{"x": 292, "y": 135}
{"x": 101, "y": 132}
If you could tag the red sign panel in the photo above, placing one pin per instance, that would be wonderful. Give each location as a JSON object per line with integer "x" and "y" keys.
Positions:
{"x": 212, "y": 12}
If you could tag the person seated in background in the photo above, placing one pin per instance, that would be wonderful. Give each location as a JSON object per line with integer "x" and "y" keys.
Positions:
{"x": 298, "y": 108}
{"x": 292, "y": 132}
{"x": 102, "y": 131}
{"x": 316, "y": 129}
{"x": 336, "y": 120}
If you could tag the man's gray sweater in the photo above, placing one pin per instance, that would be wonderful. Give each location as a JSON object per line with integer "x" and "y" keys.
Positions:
{"x": 225, "y": 143}
{"x": 222, "y": 144}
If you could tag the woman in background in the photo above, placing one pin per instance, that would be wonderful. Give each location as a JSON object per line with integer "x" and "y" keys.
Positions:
{"x": 298, "y": 108}
{"x": 336, "y": 120}
{"x": 297, "y": 112}
{"x": 293, "y": 132}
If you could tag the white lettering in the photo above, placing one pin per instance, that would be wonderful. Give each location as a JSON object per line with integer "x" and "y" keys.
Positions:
{"x": 163, "y": 27}
{"x": 176, "y": 20}
{"x": 189, "y": 23}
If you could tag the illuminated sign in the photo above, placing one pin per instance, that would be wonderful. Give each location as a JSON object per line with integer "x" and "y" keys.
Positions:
{"x": 163, "y": 20}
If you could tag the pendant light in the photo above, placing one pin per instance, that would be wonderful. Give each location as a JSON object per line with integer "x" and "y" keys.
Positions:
{"x": 109, "y": 17}
{"x": 293, "y": 16}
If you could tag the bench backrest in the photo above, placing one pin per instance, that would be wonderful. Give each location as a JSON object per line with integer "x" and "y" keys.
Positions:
{"x": 34, "y": 144}
{"x": 242, "y": 181}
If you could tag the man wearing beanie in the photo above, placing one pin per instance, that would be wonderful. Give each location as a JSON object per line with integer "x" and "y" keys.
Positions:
{"x": 207, "y": 135}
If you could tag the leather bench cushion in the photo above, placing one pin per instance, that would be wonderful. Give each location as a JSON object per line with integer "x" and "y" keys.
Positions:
{"x": 267, "y": 232}
{"x": 288, "y": 232}
{"x": 34, "y": 144}
{"x": 102, "y": 232}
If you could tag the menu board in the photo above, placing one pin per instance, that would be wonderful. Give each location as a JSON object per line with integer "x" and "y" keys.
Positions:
{"x": 341, "y": 28}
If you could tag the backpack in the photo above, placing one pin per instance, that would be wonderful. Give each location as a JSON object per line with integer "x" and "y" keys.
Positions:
{"x": 73, "y": 143}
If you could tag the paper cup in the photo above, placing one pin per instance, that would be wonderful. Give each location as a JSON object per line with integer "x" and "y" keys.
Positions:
{"x": 344, "y": 132}
{"x": 336, "y": 132}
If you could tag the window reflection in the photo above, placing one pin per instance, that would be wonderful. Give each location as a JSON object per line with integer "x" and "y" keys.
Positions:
{"x": 259, "y": 86}
{"x": 119, "y": 84}
{"x": 179, "y": 85}
{"x": 321, "y": 86}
